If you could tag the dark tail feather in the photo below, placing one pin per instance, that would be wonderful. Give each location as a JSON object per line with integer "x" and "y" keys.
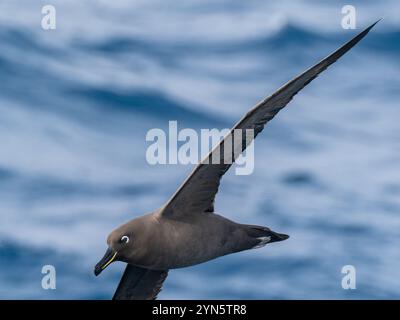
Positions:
{"x": 277, "y": 236}
{"x": 264, "y": 234}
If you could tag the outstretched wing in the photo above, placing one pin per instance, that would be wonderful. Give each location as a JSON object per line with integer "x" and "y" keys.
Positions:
{"x": 197, "y": 193}
{"x": 140, "y": 284}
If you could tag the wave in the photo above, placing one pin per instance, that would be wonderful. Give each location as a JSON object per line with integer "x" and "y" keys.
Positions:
{"x": 76, "y": 104}
{"x": 154, "y": 104}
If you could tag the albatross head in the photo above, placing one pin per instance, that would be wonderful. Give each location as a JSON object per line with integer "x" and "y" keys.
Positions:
{"x": 120, "y": 243}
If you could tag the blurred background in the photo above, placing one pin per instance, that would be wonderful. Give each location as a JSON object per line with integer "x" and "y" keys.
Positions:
{"x": 76, "y": 104}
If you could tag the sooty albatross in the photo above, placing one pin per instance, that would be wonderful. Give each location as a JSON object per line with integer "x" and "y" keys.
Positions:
{"x": 186, "y": 231}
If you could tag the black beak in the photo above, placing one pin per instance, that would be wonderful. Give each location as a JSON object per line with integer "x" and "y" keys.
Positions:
{"x": 105, "y": 261}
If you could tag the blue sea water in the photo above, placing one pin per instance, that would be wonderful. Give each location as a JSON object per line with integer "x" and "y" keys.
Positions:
{"x": 76, "y": 104}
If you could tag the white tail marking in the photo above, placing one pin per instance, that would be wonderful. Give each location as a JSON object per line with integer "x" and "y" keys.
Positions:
{"x": 263, "y": 242}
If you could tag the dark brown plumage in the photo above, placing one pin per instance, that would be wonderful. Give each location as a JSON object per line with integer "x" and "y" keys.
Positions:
{"x": 140, "y": 284}
{"x": 186, "y": 231}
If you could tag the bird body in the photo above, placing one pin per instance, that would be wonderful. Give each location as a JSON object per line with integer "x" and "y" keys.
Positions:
{"x": 162, "y": 243}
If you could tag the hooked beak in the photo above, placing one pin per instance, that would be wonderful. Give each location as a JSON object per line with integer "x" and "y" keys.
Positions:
{"x": 105, "y": 261}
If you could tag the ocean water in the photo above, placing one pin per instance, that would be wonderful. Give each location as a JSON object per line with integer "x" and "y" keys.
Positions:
{"x": 76, "y": 104}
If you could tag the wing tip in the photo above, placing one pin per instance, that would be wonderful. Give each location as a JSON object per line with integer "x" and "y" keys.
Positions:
{"x": 348, "y": 45}
{"x": 363, "y": 33}
{"x": 373, "y": 25}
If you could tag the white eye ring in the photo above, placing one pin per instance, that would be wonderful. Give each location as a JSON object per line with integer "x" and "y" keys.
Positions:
{"x": 125, "y": 239}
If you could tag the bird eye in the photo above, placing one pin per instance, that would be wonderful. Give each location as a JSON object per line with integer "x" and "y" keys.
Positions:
{"x": 125, "y": 239}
